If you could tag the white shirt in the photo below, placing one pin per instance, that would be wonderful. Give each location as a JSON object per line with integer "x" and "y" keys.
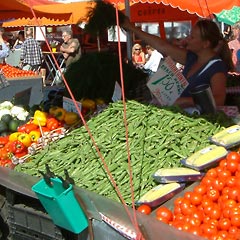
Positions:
{"x": 4, "y": 52}
{"x": 153, "y": 62}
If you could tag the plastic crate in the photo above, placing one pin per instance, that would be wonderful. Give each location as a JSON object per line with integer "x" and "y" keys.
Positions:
{"x": 29, "y": 224}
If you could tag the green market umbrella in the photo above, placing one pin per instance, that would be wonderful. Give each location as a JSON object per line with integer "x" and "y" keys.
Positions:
{"x": 229, "y": 16}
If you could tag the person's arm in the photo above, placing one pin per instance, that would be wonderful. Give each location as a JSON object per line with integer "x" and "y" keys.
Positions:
{"x": 156, "y": 42}
{"x": 74, "y": 45}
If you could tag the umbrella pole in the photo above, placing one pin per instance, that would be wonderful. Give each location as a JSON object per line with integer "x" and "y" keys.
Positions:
{"x": 129, "y": 35}
{"x": 98, "y": 43}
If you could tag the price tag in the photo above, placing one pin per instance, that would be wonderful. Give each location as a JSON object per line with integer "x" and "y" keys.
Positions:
{"x": 69, "y": 105}
{"x": 168, "y": 83}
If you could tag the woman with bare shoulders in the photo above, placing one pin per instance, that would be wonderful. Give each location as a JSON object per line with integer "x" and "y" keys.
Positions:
{"x": 202, "y": 63}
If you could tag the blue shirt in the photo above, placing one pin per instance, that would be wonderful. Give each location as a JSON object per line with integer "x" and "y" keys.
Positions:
{"x": 204, "y": 74}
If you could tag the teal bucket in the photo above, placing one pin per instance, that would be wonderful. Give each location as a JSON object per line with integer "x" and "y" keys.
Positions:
{"x": 61, "y": 205}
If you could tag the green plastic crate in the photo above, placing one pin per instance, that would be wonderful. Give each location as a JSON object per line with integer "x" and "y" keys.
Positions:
{"x": 61, "y": 205}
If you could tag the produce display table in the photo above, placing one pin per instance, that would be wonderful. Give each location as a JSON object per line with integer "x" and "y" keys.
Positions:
{"x": 18, "y": 85}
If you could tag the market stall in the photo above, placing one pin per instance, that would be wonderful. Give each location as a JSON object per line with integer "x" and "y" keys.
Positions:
{"x": 112, "y": 162}
{"x": 20, "y": 84}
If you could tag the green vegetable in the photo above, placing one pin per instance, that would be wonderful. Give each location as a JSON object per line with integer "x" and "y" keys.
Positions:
{"x": 158, "y": 138}
{"x": 6, "y": 118}
{"x": 13, "y": 124}
{"x": 3, "y": 126}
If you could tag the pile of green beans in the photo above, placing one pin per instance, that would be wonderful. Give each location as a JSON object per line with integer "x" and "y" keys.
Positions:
{"x": 158, "y": 138}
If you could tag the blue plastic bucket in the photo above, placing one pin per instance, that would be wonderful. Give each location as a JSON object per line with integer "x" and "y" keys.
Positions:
{"x": 61, "y": 205}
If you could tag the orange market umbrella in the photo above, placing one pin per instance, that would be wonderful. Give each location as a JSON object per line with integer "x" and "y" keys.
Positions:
{"x": 202, "y": 8}
{"x": 65, "y": 14}
{"x": 18, "y": 9}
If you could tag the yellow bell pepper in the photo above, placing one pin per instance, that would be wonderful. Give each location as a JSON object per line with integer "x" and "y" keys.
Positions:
{"x": 40, "y": 118}
{"x": 25, "y": 139}
{"x": 58, "y": 113}
{"x": 71, "y": 118}
{"x": 34, "y": 135}
{"x": 14, "y": 136}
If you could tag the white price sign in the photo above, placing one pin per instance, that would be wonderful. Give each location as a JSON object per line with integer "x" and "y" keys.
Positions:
{"x": 69, "y": 105}
{"x": 168, "y": 83}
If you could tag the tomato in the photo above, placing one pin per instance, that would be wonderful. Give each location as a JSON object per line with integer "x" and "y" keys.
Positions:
{"x": 186, "y": 226}
{"x": 231, "y": 181}
{"x": 215, "y": 212}
{"x": 195, "y": 198}
{"x": 178, "y": 217}
{"x": 233, "y": 156}
{"x": 233, "y": 193}
{"x": 208, "y": 230}
{"x": 224, "y": 224}
{"x": 233, "y": 230}
{"x": 177, "y": 210}
{"x": 235, "y": 220}
{"x": 198, "y": 214}
{"x": 177, "y": 201}
{"x": 232, "y": 165}
{"x": 224, "y": 174}
{"x": 145, "y": 209}
{"x": 186, "y": 207}
{"x": 165, "y": 214}
{"x": 226, "y": 212}
{"x": 187, "y": 195}
{"x": 195, "y": 230}
{"x": 213, "y": 194}
{"x": 207, "y": 181}
{"x": 201, "y": 189}
{"x": 229, "y": 203}
{"x": 206, "y": 202}
{"x": 234, "y": 211}
{"x": 222, "y": 164}
{"x": 212, "y": 173}
{"x": 218, "y": 184}
{"x": 221, "y": 235}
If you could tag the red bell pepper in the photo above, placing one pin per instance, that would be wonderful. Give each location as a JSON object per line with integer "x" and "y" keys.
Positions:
{"x": 52, "y": 123}
{"x": 27, "y": 128}
{"x": 18, "y": 147}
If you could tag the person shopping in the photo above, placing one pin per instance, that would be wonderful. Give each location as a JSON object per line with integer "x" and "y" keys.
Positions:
{"x": 4, "y": 50}
{"x": 19, "y": 41}
{"x": 71, "y": 48}
{"x": 234, "y": 46}
{"x": 31, "y": 53}
{"x": 202, "y": 64}
{"x": 153, "y": 60}
{"x": 138, "y": 56}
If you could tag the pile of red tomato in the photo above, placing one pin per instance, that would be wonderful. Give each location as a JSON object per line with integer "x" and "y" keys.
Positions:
{"x": 11, "y": 72}
{"x": 212, "y": 208}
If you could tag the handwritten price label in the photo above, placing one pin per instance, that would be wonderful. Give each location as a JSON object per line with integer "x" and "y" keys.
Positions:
{"x": 168, "y": 83}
